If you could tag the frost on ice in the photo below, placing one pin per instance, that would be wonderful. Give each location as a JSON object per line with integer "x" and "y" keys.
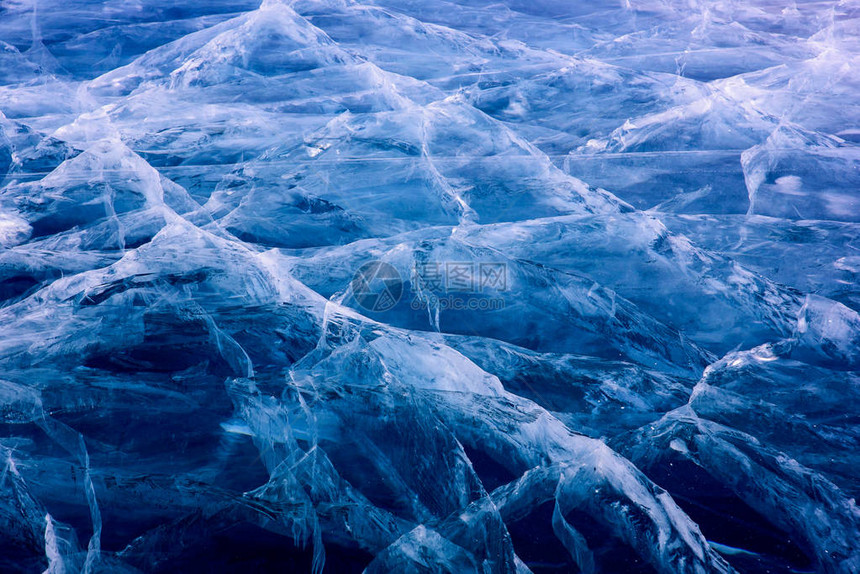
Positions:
{"x": 413, "y": 286}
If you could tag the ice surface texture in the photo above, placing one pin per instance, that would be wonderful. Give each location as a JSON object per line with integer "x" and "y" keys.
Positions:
{"x": 430, "y": 286}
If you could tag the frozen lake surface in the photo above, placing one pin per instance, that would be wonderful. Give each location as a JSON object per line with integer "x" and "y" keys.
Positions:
{"x": 430, "y": 286}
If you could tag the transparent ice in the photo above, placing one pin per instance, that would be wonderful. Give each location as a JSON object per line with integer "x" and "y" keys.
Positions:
{"x": 666, "y": 381}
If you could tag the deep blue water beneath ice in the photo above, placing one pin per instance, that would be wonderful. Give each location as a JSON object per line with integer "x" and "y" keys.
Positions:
{"x": 430, "y": 286}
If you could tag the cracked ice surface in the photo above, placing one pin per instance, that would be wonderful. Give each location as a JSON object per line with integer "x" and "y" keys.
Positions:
{"x": 429, "y": 286}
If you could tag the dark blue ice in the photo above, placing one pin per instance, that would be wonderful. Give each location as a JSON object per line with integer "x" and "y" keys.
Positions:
{"x": 438, "y": 286}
